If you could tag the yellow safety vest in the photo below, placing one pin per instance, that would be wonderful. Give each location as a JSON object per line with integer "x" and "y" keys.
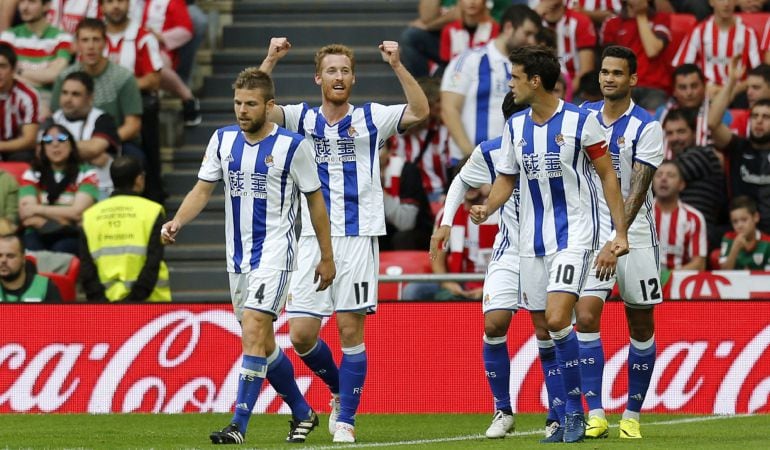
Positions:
{"x": 118, "y": 231}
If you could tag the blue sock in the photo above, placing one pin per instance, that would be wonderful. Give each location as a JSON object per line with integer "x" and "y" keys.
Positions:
{"x": 497, "y": 365}
{"x": 568, "y": 355}
{"x": 253, "y": 371}
{"x": 641, "y": 361}
{"x": 553, "y": 383}
{"x": 352, "y": 375}
{"x": 280, "y": 374}
{"x": 319, "y": 359}
{"x": 591, "y": 368}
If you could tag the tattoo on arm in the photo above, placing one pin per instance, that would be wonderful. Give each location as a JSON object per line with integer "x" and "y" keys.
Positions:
{"x": 640, "y": 184}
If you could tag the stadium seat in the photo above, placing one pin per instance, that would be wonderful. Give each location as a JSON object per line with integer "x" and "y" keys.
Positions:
{"x": 16, "y": 169}
{"x": 67, "y": 281}
{"x": 399, "y": 262}
{"x": 681, "y": 26}
{"x": 757, "y": 21}
{"x": 713, "y": 262}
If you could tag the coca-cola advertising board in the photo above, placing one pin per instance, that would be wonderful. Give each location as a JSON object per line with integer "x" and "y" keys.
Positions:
{"x": 713, "y": 357}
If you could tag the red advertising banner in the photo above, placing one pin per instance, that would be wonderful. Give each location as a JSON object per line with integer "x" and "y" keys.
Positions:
{"x": 713, "y": 357}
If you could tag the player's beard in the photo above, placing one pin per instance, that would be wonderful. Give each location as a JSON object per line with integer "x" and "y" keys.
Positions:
{"x": 255, "y": 125}
{"x": 117, "y": 21}
{"x": 11, "y": 276}
{"x": 759, "y": 140}
{"x": 617, "y": 95}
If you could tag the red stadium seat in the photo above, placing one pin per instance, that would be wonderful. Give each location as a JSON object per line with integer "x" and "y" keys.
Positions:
{"x": 16, "y": 169}
{"x": 681, "y": 26}
{"x": 400, "y": 262}
{"x": 66, "y": 282}
{"x": 757, "y": 21}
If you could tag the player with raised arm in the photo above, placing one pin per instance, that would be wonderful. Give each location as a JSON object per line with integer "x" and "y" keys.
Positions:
{"x": 501, "y": 289}
{"x": 347, "y": 140}
{"x": 636, "y": 145}
{"x": 553, "y": 145}
{"x": 264, "y": 168}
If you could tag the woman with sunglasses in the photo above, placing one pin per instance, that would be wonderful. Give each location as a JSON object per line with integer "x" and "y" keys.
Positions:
{"x": 55, "y": 192}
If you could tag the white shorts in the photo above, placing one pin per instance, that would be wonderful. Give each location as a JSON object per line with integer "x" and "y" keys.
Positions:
{"x": 564, "y": 271}
{"x": 596, "y": 287}
{"x": 263, "y": 290}
{"x": 501, "y": 285}
{"x": 354, "y": 288}
{"x": 639, "y": 278}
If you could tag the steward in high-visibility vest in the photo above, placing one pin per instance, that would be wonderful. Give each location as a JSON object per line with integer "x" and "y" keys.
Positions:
{"x": 123, "y": 254}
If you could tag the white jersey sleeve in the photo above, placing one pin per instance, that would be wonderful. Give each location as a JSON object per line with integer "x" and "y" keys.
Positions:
{"x": 475, "y": 172}
{"x": 292, "y": 115}
{"x": 303, "y": 168}
{"x": 211, "y": 167}
{"x": 593, "y": 133}
{"x": 460, "y": 73}
{"x": 649, "y": 150}
{"x": 387, "y": 118}
{"x": 508, "y": 163}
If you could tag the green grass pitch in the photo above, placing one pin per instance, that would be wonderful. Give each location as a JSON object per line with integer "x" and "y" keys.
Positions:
{"x": 188, "y": 431}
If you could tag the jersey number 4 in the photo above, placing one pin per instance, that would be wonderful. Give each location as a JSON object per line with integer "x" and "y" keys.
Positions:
{"x": 259, "y": 295}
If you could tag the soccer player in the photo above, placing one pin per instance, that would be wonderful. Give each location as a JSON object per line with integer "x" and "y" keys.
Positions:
{"x": 346, "y": 140}
{"x": 264, "y": 167}
{"x": 501, "y": 289}
{"x": 553, "y": 145}
{"x": 636, "y": 145}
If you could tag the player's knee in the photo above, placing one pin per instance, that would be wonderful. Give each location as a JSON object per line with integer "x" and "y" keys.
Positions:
{"x": 495, "y": 329}
{"x": 557, "y": 320}
{"x": 302, "y": 340}
{"x": 588, "y": 322}
{"x": 641, "y": 332}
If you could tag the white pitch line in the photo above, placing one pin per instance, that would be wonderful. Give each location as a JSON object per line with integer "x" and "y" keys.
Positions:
{"x": 471, "y": 437}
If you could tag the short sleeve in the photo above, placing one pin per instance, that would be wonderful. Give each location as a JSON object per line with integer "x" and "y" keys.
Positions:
{"x": 303, "y": 168}
{"x": 291, "y": 116}
{"x": 592, "y": 132}
{"x": 649, "y": 150}
{"x": 130, "y": 97}
{"x": 88, "y": 182}
{"x": 387, "y": 118}
{"x": 459, "y": 74}
{"x": 211, "y": 167}
{"x": 105, "y": 128}
{"x": 507, "y": 164}
{"x": 475, "y": 172}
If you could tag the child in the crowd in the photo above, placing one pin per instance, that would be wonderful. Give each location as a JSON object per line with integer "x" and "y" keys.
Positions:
{"x": 745, "y": 247}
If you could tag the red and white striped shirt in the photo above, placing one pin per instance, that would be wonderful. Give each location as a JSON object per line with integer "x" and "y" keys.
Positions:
{"x": 455, "y": 38}
{"x": 574, "y": 32}
{"x": 765, "y": 46}
{"x": 169, "y": 18}
{"x": 18, "y": 107}
{"x": 470, "y": 245}
{"x": 712, "y": 48}
{"x": 435, "y": 159}
{"x": 135, "y": 49}
{"x": 682, "y": 235}
{"x": 597, "y": 5}
{"x": 67, "y": 14}
{"x": 702, "y": 132}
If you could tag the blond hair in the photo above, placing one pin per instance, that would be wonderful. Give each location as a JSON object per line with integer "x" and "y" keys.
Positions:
{"x": 252, "y": 78}
{"x": 334, "y": 49}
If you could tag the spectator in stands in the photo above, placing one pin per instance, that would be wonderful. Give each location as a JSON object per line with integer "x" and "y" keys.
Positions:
{"x": 752, "y": 6}
{"x": 427, "y": 143}
{"x": 170, "y": 21}
{"x": 699, "y": 8}
{"x": 597, "y": 10}
{"x": 187, "y": 52}
{"x": 475, "y": 83}
{"x": 137, "y": 50}
{"x": 757, "y": 88}
{"x": 67, "y": 14}
{"x": 94, "y": 130}
{"x": 468, "y": 250}
{"x": 701, "y": 170}
{"x": 7, "y": 13}
{"x": 120, "y": 246}
{"x": 420, "y": 41}
{"x": 54, "y": 193}
{"x": 647, "y": 32}
{"x": 9, "y": 199}
{"x": 748, "y": 157}
{"x": 589, "y": 90}
{"x": 408, "y": 217}
{"x": 19, "y": 112}
{"x": 681, "y": 228}
{"x": 715, "y": 41}
{"x": 19, "y": 280}
{"x": 576, "y": 37}
{"x": 115, "y": 88}
{"x": 689, "y": 93}
{"x": 745, "y": 247}
{"x": 43, "y": 50}
{"x": 474, "y": 28}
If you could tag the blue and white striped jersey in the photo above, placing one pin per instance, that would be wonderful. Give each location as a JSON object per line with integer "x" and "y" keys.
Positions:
{"x": 481, "y": 75}
{"x": 348, "y": 164}
{"x": 635, "y": 137}
{"x": 557, "y": 200}
{"x": 262, "y": 186}
{"x": 479, "y": 170}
